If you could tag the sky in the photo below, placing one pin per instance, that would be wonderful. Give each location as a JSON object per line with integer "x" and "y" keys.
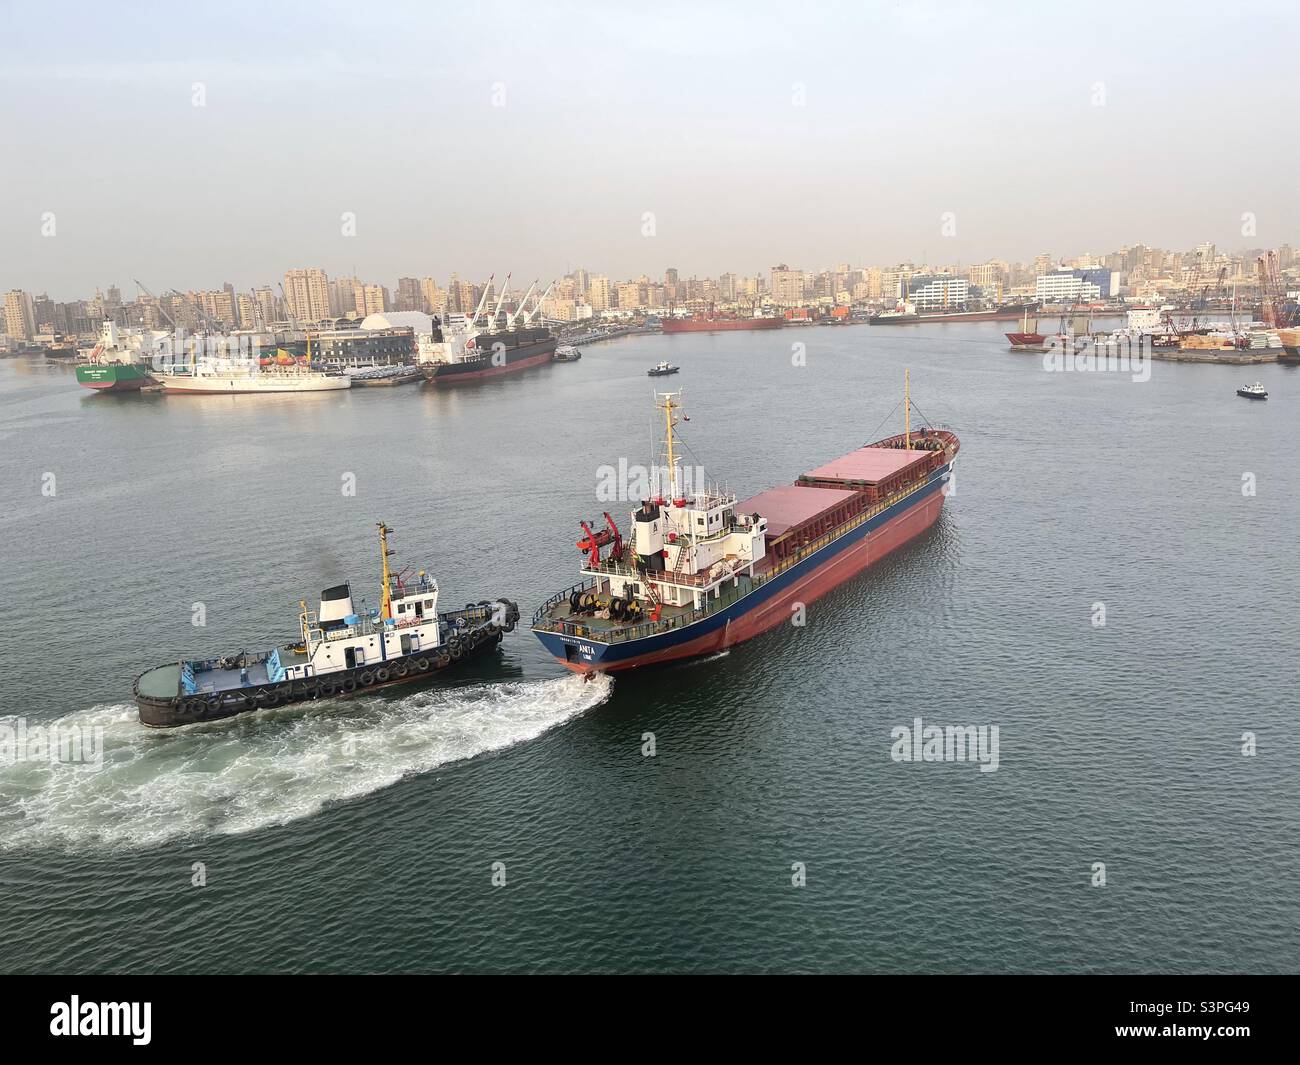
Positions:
{"x": 192, "y": 144}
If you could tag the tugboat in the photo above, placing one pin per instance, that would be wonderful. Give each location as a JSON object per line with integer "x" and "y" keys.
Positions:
{"x": 340, "y": 652}
{"x": 662, "y": 370}
{"x": 702, "y": 571}
{"x": 567, "y": 353}
{"x": 1255, "y": 391}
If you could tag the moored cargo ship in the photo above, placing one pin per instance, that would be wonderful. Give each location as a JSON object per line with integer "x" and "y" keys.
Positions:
{"x": 1029, "y": 338}
{"x": 340, "y": 652}
{"x": 711, "y": 322}
{"x": 908, "y": 315}
{"x": 119, "y": 361}
{"x": 704, "y": 572}
{"x": 489, "y": 344}
{"x": 113, "y": 376}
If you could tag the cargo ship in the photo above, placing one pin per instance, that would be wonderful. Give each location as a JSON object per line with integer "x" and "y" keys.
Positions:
{"x": 702, "y": 572}
{"x": 339, "y": 652}
{"x": 1029, "y": 338}
{"x": 115, "y": 364}
{"x": 712, "y": 322}
{"x": 908, "y": 315}
{"x": 489, "y": 344}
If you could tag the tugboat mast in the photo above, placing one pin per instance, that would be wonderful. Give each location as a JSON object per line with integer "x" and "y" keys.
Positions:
{"x": 386, "y": 596}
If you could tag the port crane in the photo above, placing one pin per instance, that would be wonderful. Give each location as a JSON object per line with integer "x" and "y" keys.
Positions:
{"x": 482, "y": 300}
{"x": 1202, "y": 303}
{"x": 537, "y": 309}
{"x": 1275, "y": 310}
{"x": 512, "y": 317}
{"x": 496, "y": 311}
{"x": 157, "y": 302}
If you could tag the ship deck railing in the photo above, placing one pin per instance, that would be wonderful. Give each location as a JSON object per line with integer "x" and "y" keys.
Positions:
{"x": 369, "y": 626}
{"x": 586, "y": 630}
{"x": 544, "y": 622}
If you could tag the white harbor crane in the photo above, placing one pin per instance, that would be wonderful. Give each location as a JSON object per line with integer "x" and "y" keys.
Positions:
{"x": 519, "y": 309}
{"x": 496, "y": 311}
{"x": 537, "y": 310}
{"x": 473, "y": 321}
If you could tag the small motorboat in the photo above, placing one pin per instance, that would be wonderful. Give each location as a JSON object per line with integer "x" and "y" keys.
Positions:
{"x": 1255, "y": 391}
{"x": 567, "y": 353}
{"x": 662, "y": 370}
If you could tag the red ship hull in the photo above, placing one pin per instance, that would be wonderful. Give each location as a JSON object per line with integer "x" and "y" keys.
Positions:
{"x": 493, "y": 371}
{"x": 719, "y": 325}
{"x": 1026, "y": 340}
{"x": 871, "y": 549}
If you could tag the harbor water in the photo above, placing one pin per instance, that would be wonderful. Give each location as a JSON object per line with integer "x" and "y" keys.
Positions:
{"x": 1113, "y": 585}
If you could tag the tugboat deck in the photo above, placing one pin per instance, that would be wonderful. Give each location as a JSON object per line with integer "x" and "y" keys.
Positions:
{"x": 221, "y": 680}
{"x": 163, "y": 682}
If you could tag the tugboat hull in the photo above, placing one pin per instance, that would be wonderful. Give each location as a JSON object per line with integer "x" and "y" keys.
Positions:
{"x": 162, "y": 704}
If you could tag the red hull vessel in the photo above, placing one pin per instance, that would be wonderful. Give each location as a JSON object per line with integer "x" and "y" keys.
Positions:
{"x": 704, "y": 572}
{"x": 777, "y": 611}
{"x": 493, "y": 371}
{"x": 718, "y": 325}
{"x": 1026, "y": 340}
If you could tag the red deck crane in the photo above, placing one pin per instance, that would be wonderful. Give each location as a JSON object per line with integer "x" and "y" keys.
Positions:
{"x": 592, "y": 542}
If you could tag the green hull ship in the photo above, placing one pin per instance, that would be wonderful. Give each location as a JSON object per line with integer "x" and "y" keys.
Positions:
{"x": 113, "y": 376}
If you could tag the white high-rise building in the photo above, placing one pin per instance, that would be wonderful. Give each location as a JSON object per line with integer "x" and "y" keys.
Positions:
{"x": 307, "y": 294}
{"x": 20, "y": 315}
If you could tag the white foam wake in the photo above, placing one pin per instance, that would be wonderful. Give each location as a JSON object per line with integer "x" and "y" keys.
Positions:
{"x": 265, "y": 768}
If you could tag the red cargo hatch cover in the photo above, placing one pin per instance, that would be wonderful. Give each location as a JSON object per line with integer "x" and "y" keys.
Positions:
{"x": 792, "y": 505}
{"x": 870, "y": 465}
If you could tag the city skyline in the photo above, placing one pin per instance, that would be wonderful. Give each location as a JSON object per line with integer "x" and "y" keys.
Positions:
{"x": 1132, "y": 273}
{"x": 387, "y": 142}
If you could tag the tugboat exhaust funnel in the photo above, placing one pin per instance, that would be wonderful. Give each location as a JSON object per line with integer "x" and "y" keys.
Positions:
{"x": 336, "y": 604}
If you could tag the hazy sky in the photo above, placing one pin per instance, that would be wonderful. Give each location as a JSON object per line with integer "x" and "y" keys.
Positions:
{"x": 800, "y": 132}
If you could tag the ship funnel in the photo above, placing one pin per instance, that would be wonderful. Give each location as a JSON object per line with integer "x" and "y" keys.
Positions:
{"x": 335, "y": 604}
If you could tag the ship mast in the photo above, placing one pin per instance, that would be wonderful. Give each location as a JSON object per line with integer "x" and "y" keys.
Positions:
{"x": 385, "y": 596}
{"x": 668, "y": 406}
{"x": 907, "y": 408}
